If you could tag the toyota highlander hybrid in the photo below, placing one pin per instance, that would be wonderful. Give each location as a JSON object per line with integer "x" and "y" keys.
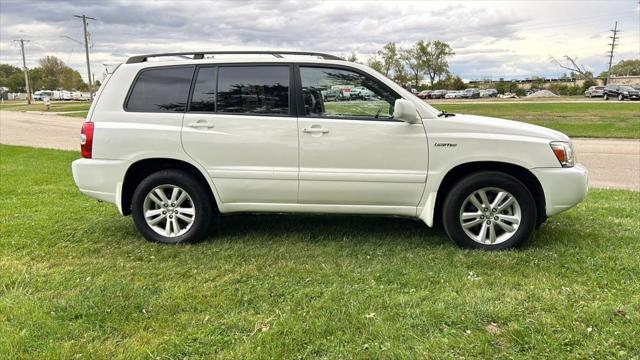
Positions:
{"x": 177, "y": 139}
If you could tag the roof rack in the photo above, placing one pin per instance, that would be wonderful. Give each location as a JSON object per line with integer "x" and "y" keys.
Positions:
{"x": 197, "y": 55}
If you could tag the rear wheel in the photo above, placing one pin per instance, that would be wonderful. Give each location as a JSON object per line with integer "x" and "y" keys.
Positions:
{"x": 490, "y": 211}
{"x": 605, "y": 96}
{"x": 620, "y": 97}
{"x": 171, "y": 207}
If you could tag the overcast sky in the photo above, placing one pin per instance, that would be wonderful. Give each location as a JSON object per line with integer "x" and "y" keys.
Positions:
{"x": 507, "y": 39}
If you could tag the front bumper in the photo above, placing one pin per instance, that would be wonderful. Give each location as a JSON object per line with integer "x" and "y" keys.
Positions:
{"x": 100, "y": 179}
{"x": 563, "y": 188}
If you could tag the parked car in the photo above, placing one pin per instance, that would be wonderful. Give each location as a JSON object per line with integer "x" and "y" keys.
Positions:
{"x": 424, "y": 94}
{"x": 454, "y": 95}
{"x": 489, "y": 93}
{"x": 594, "y": 91}
{"x": 438, "y": 94}
{"x": 621, "y": 92}
{"x": 330, "y": 94}
{"x": 177, "y": 143}
{"x": 471, "y": 93}
{"x": 361, "y": 92}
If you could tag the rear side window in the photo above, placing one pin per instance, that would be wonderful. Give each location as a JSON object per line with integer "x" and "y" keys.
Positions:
{"x": 161, "y": 90}
{"x": 204, "y": 91}
{"x": 253, "y": 90}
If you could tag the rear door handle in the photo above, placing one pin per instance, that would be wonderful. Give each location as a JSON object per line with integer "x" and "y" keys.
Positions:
{"x": 202, "y": 124}
{"x": 315, "y": 129}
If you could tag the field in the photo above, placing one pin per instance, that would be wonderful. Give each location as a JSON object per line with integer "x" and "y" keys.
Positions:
{"x": 77, "y": 280}
{"x": 75, "y": 108}
{"x": 611, "y": 119}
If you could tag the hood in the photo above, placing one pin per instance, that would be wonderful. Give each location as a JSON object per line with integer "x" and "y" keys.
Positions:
{"x": 489, "y": 125}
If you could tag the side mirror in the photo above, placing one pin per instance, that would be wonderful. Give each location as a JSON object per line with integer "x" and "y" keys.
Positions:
{"x": 405, "y": 111}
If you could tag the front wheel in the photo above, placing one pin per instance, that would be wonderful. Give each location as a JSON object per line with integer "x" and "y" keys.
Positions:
{"x": 171, "y": 207}
{"x": 489, "y": 210}
{"x": 620, "y": 97}
{"x": 605, "y": 96}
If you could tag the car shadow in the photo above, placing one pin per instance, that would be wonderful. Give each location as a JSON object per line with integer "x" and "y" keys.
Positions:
{"x": 324, "y": 228}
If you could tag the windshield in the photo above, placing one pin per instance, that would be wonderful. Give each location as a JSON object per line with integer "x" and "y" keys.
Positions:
{"x": 626, "y": 88}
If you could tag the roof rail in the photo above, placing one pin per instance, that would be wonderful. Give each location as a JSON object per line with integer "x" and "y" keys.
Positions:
{"x": 200, "y": 55}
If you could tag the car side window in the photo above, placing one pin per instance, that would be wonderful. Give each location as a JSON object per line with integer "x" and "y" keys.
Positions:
{"x": 253, "y": 90}
{"x": 161, "y": 90}
{"x": 340, "y": 93}
{"x": 204, "y": 91}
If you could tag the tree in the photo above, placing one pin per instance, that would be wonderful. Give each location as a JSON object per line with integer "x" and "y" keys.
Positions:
{"x": 52, "y": 66}
{"x": 624, "y": 68}
{"x": 571, "y": 64}
{"x": 413, "y": 58}
{"x": 7, "y": 70}
{"x": 352, "y": 57}
{"x": 435, "y": 55}
{"x": 390, "y": 58}
{"x": 375, "y": 64}
{"x": 400, "y": 75}
{"x": 11, "y": 77}
{"x": 450, "y": 82}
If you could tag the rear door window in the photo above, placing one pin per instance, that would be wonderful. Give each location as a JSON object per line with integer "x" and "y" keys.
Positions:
{"x": 261, "y": 90}
{"x": 204, "y": 91}
{"x": 161, "y": 90}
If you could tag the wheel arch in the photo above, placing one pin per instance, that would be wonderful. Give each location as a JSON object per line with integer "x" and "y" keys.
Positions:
{"x": 460, "y": 171}
{"x": 139, "y": 170}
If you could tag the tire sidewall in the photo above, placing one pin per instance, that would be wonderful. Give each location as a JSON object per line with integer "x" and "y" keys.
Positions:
{"x": 199, "y": 197}
{"x": 458, "y": 194}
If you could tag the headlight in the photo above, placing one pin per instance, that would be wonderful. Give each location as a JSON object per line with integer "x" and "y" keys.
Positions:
{"x": 625, "y": 92}
{"x": 564, "y": 153}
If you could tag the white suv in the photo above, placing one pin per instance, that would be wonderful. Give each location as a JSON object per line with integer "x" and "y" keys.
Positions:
{"x": 175, "y": 143}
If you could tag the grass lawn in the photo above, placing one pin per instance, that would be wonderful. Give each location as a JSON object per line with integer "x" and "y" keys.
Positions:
{"x": 80, "y": 108}
{"x": 76, "y": 279}
{"x": 611, "y": 119}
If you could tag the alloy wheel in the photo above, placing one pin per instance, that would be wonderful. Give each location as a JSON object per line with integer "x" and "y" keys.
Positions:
{"x": 490, "y": 216}
{"x": 169, "y": 210}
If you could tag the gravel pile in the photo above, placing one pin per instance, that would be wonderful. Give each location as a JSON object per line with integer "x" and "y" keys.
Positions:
{"x": 542, "y": 94}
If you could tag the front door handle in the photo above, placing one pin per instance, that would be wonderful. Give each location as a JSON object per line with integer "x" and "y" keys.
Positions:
{"x": 202, "y": 124}
{"x": 315, "y": 129}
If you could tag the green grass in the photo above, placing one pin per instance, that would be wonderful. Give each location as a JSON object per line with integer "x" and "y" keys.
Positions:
{"x": 614, "y": 120}
{"x": 77, "y": 280}
{"x": 56, "y": 106}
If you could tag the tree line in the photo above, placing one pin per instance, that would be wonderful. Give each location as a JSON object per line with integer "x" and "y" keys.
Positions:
{"x": 409, "y": 66}
{"x": 52, "y": 74}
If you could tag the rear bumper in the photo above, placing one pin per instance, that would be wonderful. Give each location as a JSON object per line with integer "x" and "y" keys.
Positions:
{"x": 100, "y": 179}
{"x": 563, "y": 188}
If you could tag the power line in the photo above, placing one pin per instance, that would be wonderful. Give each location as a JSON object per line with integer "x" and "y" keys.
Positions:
{"x": 24, "y": 68}
{"x": 613, "y": 44}
{"x": 86, "y": 50}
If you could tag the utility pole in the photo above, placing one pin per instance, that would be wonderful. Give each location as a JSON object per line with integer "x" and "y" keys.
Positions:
{"x": 24, "y": 68}
{"x": 86, "y": 51}
{"x": 613, "y": 44}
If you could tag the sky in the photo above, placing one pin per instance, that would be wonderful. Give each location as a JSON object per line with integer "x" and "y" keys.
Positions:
{"x": 491, "y": 39}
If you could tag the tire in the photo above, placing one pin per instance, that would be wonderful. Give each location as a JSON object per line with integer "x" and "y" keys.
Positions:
{"x": 197, "y": 201}
{"x": 620, "y": 97}
{"x": 605, "y": 96}
{"x": 458, "y": 202}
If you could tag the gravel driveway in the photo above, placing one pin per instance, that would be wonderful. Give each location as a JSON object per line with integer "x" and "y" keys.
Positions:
{"x": 612, "y": 163}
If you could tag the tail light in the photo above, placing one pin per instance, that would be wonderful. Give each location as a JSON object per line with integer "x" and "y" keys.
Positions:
{"x": 86, "y": 140}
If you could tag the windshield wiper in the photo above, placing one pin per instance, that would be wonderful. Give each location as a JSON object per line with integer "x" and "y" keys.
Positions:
{"x": 378, "y": 113}
{"x": 445, "y": 114}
